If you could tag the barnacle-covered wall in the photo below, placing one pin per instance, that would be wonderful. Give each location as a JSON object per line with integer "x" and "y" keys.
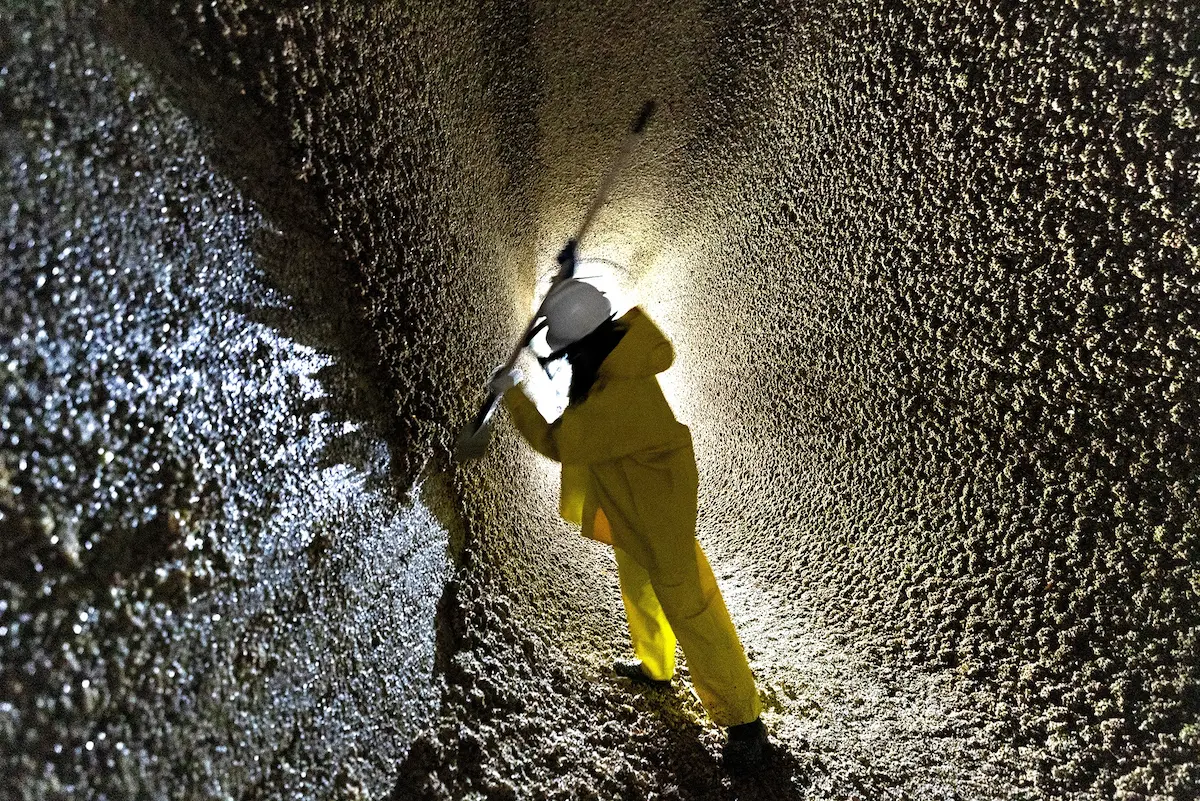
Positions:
{"x": 933, "y": 276}
{"x": 960, "y": 355}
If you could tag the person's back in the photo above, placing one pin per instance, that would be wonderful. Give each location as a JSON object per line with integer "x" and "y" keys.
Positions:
{"x": 629, "y": 479}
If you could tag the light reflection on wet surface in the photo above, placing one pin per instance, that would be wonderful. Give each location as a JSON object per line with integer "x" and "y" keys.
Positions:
{"x": 204, "y": 557}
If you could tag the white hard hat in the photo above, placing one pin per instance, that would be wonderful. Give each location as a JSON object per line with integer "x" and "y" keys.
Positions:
{"x": 573, "y": 309}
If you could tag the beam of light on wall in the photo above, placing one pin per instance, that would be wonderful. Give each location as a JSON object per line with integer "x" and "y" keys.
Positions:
{"x": 665, "y": 290}
{"x": 616, "y": 249}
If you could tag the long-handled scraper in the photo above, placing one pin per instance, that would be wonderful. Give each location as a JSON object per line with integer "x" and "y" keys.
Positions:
{"x": 477, "y": 435}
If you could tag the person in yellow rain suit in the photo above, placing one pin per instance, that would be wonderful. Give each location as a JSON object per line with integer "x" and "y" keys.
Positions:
{"x": 629, "y": 478}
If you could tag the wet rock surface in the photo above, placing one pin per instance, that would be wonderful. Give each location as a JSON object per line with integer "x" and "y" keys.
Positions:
{"x": 931, "y": 272}
{"x": 521, "y": 718}
{"x": 212, "y": 580}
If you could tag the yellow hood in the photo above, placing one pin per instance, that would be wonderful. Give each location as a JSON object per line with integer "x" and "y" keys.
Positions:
{"x": 644, "y": 350}
{"x": 625, "y": 412}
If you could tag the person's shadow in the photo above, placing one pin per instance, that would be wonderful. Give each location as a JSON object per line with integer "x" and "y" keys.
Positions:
{"x": 785, "y": 775}
{"x": 688, "y": 757}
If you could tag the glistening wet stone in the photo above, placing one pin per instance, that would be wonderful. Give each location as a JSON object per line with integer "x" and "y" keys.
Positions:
{"x": 210, "y": 580}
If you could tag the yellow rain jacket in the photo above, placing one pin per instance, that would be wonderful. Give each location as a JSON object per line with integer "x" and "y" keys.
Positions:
{"x": 629, "y": 479}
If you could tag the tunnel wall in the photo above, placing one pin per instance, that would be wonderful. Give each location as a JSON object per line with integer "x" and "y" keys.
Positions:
{"x": 424, "y": 132}
{"x": 952, "y": 258}
{"x": 930, "y": 273}
{"x": 382, "y": 158}
{"x": 938, "y": 397}
{"x": 214, "y": 580}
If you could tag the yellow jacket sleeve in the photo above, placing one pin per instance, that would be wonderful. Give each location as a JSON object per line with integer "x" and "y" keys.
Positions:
{"x": 529, "y": 421}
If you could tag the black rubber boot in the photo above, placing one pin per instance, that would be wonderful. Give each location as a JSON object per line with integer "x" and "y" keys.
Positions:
{"x": 632, "y": 669}
{"x": 747, "y": 748}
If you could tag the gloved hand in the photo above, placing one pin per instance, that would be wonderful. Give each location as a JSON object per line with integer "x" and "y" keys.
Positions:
{"x": 503, "y": 380}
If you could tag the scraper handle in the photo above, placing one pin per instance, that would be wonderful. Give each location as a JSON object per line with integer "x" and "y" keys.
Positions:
{"x": 627, "y": 147}
{"x": 474, "y": 439}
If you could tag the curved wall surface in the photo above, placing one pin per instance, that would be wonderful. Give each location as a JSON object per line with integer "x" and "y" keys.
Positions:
{"x": 210, "y": 584}
{"x": 933, "y": 277}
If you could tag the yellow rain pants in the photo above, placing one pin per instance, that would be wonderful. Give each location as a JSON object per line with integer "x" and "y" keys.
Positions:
{"x": 629, "y": 478}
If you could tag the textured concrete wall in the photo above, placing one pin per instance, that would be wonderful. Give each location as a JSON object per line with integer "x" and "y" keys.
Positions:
{"x": 960, "y": 310}
{"x": 931, "y": 272}
{"x": 210, "y": 585}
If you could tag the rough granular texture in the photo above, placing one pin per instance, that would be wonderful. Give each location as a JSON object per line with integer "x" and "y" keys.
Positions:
{"x": 208, "y": 581}
{"x": 964, "y": 331}
{"x": 933, "y": 276}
